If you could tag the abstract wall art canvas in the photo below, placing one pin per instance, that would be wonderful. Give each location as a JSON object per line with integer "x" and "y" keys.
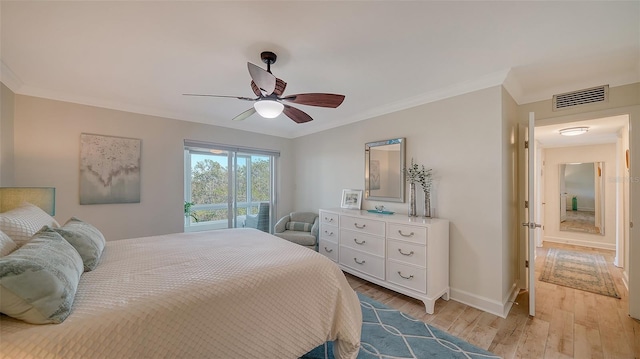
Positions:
{"x": 109, "y": 169}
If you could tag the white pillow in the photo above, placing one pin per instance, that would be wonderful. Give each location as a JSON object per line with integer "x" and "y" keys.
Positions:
{"x": 23, "y": 222}
{"x": 7, "y": 245}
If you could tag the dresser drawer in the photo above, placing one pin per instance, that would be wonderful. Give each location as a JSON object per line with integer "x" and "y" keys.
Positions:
{"x": 408, "y": 276}
{"x": 407, "y": 252}
{"x": 363, "y": 225}
{"x": 329, "y": 249}
{"x": 329, "y": 218}
{"x": 329, "y": 232}
{"x": 408, "y": 233}
{"x": 362, "y": 242}
{"x": 363, "y": 262}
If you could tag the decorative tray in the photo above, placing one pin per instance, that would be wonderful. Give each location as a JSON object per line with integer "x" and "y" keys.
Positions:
{"x": 379, "y": 212}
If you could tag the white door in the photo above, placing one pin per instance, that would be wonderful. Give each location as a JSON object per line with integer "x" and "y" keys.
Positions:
{"x": 530, "y": 185}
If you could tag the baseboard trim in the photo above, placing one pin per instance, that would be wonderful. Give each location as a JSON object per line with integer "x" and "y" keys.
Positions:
{"x": 486, "y": 304}
{"x": 625, "y": 279}
{"x": 580, "y": 242}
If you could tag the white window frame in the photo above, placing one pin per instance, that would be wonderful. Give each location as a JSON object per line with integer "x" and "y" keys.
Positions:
{"x": 191, "y": 147}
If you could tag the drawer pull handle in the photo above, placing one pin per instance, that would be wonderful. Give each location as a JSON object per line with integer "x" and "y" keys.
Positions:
{"x": 356, "y": 240}
{"x": 328, "y": 219}
{"x": 328, "y": 250}
{"x": 360, "y": 227}
{"x": 328, "y": 233}
{"x": 409, "y": 277}
{"x": 356, "y": 260}
{"x": 405, "y": 235}
{"x": 405, "y": 254}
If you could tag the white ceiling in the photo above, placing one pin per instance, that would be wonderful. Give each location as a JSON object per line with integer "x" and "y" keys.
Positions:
{"x": 383, "y": 55}
{"x": 602, "y": 130}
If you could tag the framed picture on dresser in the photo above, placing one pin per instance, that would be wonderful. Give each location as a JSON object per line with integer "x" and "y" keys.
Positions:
{"x": 351, "y": 198}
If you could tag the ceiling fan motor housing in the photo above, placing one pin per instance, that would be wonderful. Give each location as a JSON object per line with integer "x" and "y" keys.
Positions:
{"x": 268, "y": 57}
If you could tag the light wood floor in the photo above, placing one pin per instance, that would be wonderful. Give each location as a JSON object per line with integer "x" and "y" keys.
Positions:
{"x": 569, "y": 323}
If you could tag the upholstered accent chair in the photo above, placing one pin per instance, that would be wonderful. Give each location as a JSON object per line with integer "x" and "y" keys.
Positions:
{"x": 259, "y": 221}
{"x": 299, "y": 227}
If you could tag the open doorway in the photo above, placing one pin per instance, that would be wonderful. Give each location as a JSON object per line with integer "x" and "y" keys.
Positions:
{"x": 601, "y": 150}
{"x": 581, "y": 200}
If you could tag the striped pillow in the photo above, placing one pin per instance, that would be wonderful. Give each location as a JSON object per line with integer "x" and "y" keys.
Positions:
{"x": 298, "y": 226}
{"x": 38, "y": 281}
{"x": 86, "y": 239}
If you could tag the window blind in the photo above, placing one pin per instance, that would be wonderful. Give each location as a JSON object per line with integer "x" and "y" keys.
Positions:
{"x": 195, "y": 145}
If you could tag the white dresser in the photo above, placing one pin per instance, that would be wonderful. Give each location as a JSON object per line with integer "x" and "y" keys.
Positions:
{"x": 407, "y": 255}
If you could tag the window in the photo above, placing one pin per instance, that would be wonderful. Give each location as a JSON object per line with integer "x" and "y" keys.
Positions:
{"x": 227, "y": 186}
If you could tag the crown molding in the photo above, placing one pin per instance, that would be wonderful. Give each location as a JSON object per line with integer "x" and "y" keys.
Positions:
{"x": 9, "y": 78}
{"x": 513, "y": 87}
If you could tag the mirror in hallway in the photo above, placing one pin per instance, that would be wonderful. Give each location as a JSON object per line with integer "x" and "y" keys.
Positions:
{"x": 582, "y": 197}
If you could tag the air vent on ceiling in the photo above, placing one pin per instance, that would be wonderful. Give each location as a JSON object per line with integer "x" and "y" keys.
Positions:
{"x": 582, "y": 97}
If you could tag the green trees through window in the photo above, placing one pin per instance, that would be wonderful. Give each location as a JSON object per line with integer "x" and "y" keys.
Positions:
{"x": 209, "y": 190}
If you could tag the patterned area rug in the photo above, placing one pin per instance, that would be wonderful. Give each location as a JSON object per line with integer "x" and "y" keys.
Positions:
{"x": 580, "y": 221}
{"x": 389, "y": 333}
{"x": 578, "y": 270}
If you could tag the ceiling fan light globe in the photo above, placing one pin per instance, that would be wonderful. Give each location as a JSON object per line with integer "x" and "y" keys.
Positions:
{"x": 268, "y": 108}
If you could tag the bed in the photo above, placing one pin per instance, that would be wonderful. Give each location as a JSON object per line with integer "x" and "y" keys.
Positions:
{"x": 236, "y": 293}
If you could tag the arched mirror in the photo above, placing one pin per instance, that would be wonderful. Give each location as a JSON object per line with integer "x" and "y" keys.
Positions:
{"x": 383, "y": 175}
{"x": 582, "y": 197}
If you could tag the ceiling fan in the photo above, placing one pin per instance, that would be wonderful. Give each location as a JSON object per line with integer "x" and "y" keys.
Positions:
{"x": 269, "y": 89}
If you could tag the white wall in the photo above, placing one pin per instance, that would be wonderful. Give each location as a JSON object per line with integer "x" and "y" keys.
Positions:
{"x": 580, "y": 154}
{"x": 510, "y": 196}
{"x": 7, "y": 109}
{"x": 47, "y": 145}
{"x": 462, "y": 139}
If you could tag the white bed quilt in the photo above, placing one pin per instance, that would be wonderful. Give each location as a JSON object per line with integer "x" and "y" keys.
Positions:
{"x": 237, "y": 293}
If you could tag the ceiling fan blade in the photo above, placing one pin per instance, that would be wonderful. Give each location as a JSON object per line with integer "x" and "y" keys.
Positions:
{"x": 296, "y": 115}
{"x": 245, "y": 114}
{"x": 280, "y": 86}
{"x": 255, "y": 89}
{"x": 265, "y": 80}
{"x": 205, "y": 95}
{"x": 316, "y": 99}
